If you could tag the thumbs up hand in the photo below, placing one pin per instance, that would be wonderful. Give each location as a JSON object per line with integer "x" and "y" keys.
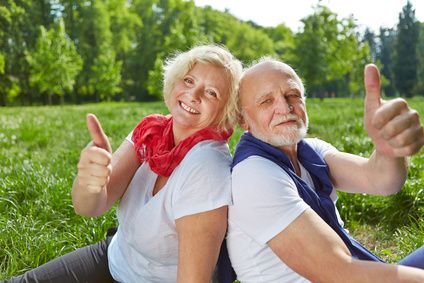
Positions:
{"x": 394, "y": 127}
{"x": 94, "y": 166}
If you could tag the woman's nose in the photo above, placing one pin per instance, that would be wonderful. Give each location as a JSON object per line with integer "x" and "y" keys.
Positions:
{"x": 195, "y": 93}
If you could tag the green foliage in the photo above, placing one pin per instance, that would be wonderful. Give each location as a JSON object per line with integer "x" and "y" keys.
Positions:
{"x": 283, "y": 41}
{"x": 155, "y": 81}
{"x": 2, "y": 63}
{"x": 123, "y": 25}
{"x": 405, "y": 67}
{"x": 328, "y": 51}
{"x": 247, "y": 43}
{"x": 11, "y": 38}
{"x": 122, "y": 44}
{"x": 106, "y": 74}
{"x": 419, "y": 88}
{"x": 387, "y": 39}
{"x": 54, "y": 63}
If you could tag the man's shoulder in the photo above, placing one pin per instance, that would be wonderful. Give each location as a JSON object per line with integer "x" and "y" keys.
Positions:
{"x": 257, "y": 163}
{"x": 258, "y": 170}
{"x": 320, "y": 146}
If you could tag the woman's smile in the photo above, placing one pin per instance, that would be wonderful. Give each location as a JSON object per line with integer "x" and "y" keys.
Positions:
{"x": 188, "y": 108}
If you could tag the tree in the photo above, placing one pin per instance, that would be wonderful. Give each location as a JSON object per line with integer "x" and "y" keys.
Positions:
{"x": 100, "y": 77}
{"x": 168, "y": 26}
{"x": 182, "y": 33}
{"x": 12, "y": 47}
{"x": 54, "y": 63}
{"x": 369, "y": 38}
{"x": 283, "y": 40}
{"x": 248, "y": 43}
{"x": 124, "y": 25}
{"x": 246, "y": 40}
{"x": 419, "y": 89}
{"x": 385, "y": 55}
{"x": 328, "y": 53}
{"x": 405, "y": 67}
{"x": 105, "y": 75}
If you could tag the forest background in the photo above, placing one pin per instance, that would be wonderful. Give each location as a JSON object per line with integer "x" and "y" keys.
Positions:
{"x": 70, "y": 51}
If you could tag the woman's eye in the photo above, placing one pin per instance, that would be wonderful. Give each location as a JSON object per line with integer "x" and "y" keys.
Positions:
{"x": 188, "y": 81}
{"x": 212, "y": 93}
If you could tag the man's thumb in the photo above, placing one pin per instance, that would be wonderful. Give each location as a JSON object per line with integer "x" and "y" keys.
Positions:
{"x": 96, "y": 132}
{"x": 372, "y": 87}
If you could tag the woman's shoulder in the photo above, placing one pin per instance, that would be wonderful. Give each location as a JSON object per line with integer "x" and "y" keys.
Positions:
{"x": 210, "y": 150}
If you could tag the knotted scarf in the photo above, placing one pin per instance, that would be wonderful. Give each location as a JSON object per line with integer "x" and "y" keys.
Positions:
{"x": 154, "y": 143}
{"x": 319, "y": 199}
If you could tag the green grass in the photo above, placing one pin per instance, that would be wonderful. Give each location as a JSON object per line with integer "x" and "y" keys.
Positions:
{"x": 39, "y": 150}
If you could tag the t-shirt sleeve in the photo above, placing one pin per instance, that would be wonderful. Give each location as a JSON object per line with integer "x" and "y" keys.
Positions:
{"x": 204, "y": 180}
{"x": 129, "y": 137}
{"x": 265, "y": 199}
{"x": 320, "y": 146}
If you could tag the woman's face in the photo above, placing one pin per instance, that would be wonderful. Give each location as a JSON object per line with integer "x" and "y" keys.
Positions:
{"x": 198, "y": 99}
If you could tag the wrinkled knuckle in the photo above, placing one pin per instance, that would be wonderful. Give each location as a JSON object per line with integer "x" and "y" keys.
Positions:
{"x": 401, "y": 102}
{"x": 392, "y": 130}
{"x": 400, "y": 141}
{"x": 410, "y": 150}
{"x": 105, "y": 172}
{"x": 394, "y": 142}
{"x": 82, "y": 164}
{"x": 415, "y": 116}
{"x": 82, "y": 181}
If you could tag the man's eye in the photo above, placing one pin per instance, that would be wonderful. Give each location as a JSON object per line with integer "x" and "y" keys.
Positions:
{"x": 293, "y": 97}
{"x": 266, "y": 101}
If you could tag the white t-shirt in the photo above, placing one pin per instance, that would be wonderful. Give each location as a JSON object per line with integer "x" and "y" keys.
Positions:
{"x": 266, "y": 201}
{"x": 145, "y": 247}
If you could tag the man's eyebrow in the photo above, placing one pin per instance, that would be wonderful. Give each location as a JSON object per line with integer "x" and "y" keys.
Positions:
{"x": 293, "y": 85}
{"x": 294, "y": 89}
{"x": 262, "y": 96}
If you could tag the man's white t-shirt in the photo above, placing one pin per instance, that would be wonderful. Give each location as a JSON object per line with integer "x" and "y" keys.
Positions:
{"x": 265, "y": 201}
{"x": 145, "y": 247}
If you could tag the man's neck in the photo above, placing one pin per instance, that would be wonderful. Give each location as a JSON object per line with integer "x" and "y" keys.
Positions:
{"x": 291, "y": 152}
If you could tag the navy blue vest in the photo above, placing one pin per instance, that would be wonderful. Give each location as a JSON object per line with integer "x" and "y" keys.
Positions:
{"x": 319, "y": 199}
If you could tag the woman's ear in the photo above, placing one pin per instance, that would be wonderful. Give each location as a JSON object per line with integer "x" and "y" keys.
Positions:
{"x": 242, "y": 122}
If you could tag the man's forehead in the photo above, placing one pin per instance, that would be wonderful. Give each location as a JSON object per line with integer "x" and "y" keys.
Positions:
{"x": 268, "y": 77}
{"x": 271, "y": 70}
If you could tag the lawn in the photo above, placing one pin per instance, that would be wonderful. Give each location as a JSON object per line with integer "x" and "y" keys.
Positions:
{"x": 39, "y": 150}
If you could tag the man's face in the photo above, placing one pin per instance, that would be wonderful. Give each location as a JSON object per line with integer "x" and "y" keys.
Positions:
{"x": 273, "y": 107}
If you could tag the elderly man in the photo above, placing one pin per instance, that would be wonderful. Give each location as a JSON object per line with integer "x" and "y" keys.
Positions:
{"x": 283, "y": 226}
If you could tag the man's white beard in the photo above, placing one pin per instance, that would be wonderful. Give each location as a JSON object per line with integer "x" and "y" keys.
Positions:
{"x": 289, "y": 135}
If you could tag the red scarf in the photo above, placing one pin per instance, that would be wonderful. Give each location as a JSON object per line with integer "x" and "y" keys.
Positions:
{"x": 154, "y": 142}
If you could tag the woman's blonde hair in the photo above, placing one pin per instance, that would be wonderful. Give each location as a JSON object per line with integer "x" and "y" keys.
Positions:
{"x": 177, "y": 66}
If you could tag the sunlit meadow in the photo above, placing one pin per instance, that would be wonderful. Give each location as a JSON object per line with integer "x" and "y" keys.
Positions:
{"x": 39, "y": 150}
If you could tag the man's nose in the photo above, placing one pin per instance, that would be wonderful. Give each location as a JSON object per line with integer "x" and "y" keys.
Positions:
{"x": 282, "y": 106}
